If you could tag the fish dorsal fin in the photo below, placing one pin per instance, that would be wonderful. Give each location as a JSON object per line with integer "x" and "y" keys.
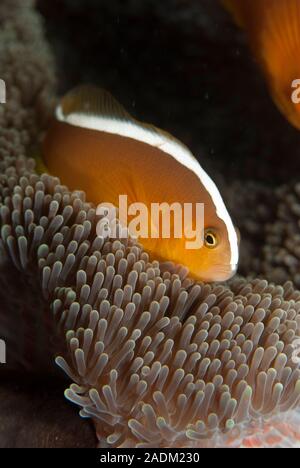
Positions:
{"x": 89, "y": 100}
{"x": 94, "y": 108}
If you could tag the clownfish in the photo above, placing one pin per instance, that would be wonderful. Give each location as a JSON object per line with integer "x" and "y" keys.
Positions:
{"x": 94, "y": 145}
{"x": 273, "y": 30}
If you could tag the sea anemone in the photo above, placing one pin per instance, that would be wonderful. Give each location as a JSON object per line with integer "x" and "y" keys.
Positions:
{"x": 187, "y": 366}
{"x": 269, "y": 228}
{"x": 27, "y": 69}
{"x": 261, "y": 210}
{"x": 155, "y": 359}
{"x": 282, "y": 247}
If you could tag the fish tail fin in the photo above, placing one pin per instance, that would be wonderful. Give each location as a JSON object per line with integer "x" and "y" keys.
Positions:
{"x": 238, "y": 9}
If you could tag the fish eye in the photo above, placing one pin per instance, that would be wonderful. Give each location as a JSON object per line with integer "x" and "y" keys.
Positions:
{"x": 210, "y": 239}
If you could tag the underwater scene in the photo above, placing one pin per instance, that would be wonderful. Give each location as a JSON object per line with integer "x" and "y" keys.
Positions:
{"x": 149, "y": 226}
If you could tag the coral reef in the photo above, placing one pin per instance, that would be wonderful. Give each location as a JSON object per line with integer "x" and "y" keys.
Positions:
{"x": 154, "y": 359}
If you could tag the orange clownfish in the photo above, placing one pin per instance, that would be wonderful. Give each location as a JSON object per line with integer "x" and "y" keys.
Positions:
{"x": 96, "y": 146}
{"x": 273, "y": 30}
